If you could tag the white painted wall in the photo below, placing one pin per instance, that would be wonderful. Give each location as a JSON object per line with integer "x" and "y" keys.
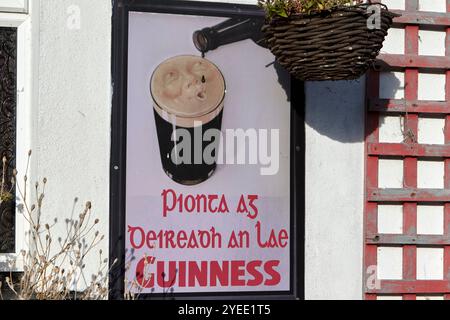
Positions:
{"x": 72, "y": 144}
{"x": 334, "y": 189}
{"x": 72, "y": 110}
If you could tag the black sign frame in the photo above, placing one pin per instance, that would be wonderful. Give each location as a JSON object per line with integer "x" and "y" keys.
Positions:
{"x": 121, "y": 9}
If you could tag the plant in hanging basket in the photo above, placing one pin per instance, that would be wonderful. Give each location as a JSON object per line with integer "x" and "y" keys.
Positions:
{"x": 325, "y": 39}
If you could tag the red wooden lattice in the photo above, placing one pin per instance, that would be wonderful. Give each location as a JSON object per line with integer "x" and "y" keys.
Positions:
{"x": 410, "y": 151}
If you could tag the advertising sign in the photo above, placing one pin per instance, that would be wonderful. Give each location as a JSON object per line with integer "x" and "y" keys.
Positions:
{"x": 208, "y": 201}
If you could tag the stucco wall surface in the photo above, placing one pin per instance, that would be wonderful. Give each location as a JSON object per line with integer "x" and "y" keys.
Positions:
{"x": 72, "y": 144}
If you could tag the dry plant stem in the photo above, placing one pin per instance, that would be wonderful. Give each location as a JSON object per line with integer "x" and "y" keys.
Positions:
{"x": 54, "y": 271}
{"x": 34, "y": 226}
{"x": 286, "y": 8}
{"x": 407, "y": 132}
{"x": 5, "y": 195}
{"x": 133, "y": 289}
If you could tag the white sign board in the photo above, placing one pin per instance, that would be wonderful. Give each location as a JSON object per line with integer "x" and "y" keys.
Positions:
{"x": 232, "y": 232}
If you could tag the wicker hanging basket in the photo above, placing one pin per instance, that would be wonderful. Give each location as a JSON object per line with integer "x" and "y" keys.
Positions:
{"x": 335, "y": 44}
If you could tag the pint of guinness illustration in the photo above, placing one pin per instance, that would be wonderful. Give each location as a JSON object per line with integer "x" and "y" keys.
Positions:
{"x": 188, "y": 99}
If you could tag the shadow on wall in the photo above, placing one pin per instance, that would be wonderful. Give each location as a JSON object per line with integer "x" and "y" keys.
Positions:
{"x": 336, "y": 109}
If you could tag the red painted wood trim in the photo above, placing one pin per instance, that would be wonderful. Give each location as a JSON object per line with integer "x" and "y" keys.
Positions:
{"x": 412, "y": 287}
{"x": 371, "y": 174}
{"x": 422, "y": 18}
{"x": 447, "y": 245}
{"x": 411, "y": 84}
{"x": 410, "y": 106}
{"x": 410, "y": 229}
{"x": 410, "y": 172}
{"x": 408, "y": 195}
{"x": 411, "y": 150}
{"x": 388, "y": 61}
{"x": 401, "y": 239}
{"x": 447, "y": 164}
{"x": 411, "y": 90}
{"x": 409, "y": 262}
{"x": 410, "y": 163}
{"x": 372, "y": 119}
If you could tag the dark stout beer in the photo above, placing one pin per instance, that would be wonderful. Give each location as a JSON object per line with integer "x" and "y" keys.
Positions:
{"x": 188, "y": 95}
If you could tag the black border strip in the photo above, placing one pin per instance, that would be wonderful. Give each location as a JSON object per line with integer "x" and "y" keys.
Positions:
{"x": 121, "y": 9}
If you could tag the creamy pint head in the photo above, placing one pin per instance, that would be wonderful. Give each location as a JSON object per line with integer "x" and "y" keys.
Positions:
{"x": 187, "y": 89}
